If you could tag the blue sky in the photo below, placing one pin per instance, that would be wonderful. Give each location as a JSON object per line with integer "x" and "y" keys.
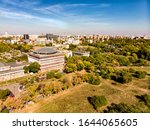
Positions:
{"x": 114, "y": 17}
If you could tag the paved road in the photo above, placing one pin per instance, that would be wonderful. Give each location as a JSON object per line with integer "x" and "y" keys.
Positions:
{"x": 13, "y": 88}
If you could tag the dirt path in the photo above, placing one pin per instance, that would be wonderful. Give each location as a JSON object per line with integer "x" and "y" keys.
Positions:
{"x": 13, "y": 88}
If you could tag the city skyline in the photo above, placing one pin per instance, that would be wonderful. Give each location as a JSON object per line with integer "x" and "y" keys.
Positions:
{"x": 113, "y": 17}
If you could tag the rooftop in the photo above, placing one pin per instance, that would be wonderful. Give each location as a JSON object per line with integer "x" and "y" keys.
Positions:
{"x": 45, "y": 50}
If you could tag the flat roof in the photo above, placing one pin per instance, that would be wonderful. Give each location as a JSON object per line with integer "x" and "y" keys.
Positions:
{"x": 10, "y": 71}
{"x": 13, "y": 64}
{"x": 45, "y": 50}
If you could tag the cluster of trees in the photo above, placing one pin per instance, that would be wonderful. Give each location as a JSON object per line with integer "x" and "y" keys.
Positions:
{"x": 32, "y": 68}
{"x": 72, "y": 47}
{"x": 22, "y": 47}
{"x": 16, "y": 52}
{"x": 124, "y": 108}
{"x": 76, "y": 63}
{"x": 121, "y": 52}
{"x": 91, "y": 78}
{"x": 121, "y": 76}
{"x": 6, "y": 47}
{"x": 23, "y": 57}
{"x": 54, "y": 74}
{"x": 121, "y": 108}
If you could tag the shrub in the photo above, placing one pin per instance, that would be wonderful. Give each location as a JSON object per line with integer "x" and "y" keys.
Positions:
{"x": 50, "y": 74}
{"x": 121, "y": 108}
{"x": 97, "y": 101}
{"x": 76, "y": 79}
{"x": 4, "y": 93}
{"x": 92, "y": 79}
{"x": 140, "y": 74}
{"x": 5, "y": 110}
{"x": 80, "y": 65}
{"x": 58, "y": 75}
{"x": 145, "y": 98}
{"x": 123, "y": 77}
{"x": 69, "y": 68}
{"x": 34, "y": 67}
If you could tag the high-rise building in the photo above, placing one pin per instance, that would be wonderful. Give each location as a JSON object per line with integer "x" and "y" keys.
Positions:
{"x": 26, "y": 36}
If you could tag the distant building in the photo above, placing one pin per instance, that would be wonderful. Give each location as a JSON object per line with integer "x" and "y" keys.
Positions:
{"x": 48, "y": 58}
{"x": 146, "y": 37}
{"x": 26, "y": 36}
{"x": 67, "y": 53}
{"x": 78, "y": 53}
{"x": 11, "y": 70}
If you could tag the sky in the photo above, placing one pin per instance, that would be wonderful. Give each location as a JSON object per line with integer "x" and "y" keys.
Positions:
{"x": 75, "y": 17}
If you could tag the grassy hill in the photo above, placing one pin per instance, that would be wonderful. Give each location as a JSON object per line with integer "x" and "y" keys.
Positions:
{"x": 75, "y": 99}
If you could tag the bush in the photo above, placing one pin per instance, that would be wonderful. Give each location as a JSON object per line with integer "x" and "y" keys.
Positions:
{"x": 69, "y": 68}
{"x": 140, "y": 74}
{"x": 123, "y": 77}
{"x": 97, "y": 101}
{"x": 4, "y": 93}
{"x": 145, "y": 98}
{"x": 121, "y": 108}
{"x": 58, "y": 75}
{"x": 92, "y": 79}
{"x": 5, "y": 110}
{"x": 50, "y": 74}
{"x": 34, "y": 67}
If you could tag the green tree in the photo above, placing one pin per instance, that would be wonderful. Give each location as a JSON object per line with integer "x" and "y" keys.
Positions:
{"x": 58, "y": 75}
{"x": 50, "y": 74}
{"x": 69, "y": 68}
{"x": 34, "y": 67}
{"x": 121, "y": 108}
{"x": 80, "y": 65}
{"x": 4, "y": 93}
{"x": 97, "y": 101}
{"x": 140, "y": 74}
{"x": 26, "y": 69}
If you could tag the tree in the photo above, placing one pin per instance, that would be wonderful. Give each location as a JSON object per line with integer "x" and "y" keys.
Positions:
{"x": 97, "y": 101}
{"x": 145, "y": 98}
{"x": 80, "y": 65}
{"x": 24, "y": 57}
{"x": 50, "y": 74}
{"x": 72, "y": 47}
{"x": 26, "y": 69}
{"x": 87, "y": 65}
{"x": 34, "y": 67}
{"x": 4, "y": 93}
{"x": 122, "y": 77}
{"x": 121, "y": 108}
{"x": 92, "y": 79}
{"x": 69, "y": 68}
{"x": 58, "y": 75}
{"x": 140, "y": 74}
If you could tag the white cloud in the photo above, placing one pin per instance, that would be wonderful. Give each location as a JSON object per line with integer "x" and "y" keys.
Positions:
{"x": 21, "y": 3}
{"x": 28, "y": 17}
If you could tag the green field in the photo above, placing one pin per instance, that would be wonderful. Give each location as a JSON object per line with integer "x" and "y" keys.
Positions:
{"x": 75, "y": 99}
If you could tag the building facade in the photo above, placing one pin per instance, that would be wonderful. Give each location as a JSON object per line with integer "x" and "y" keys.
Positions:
{"x": 48, "y": 58}
{"x": 11, "y": 70}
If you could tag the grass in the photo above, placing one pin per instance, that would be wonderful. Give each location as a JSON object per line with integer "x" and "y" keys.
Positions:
{"x": 75, "y": 99}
